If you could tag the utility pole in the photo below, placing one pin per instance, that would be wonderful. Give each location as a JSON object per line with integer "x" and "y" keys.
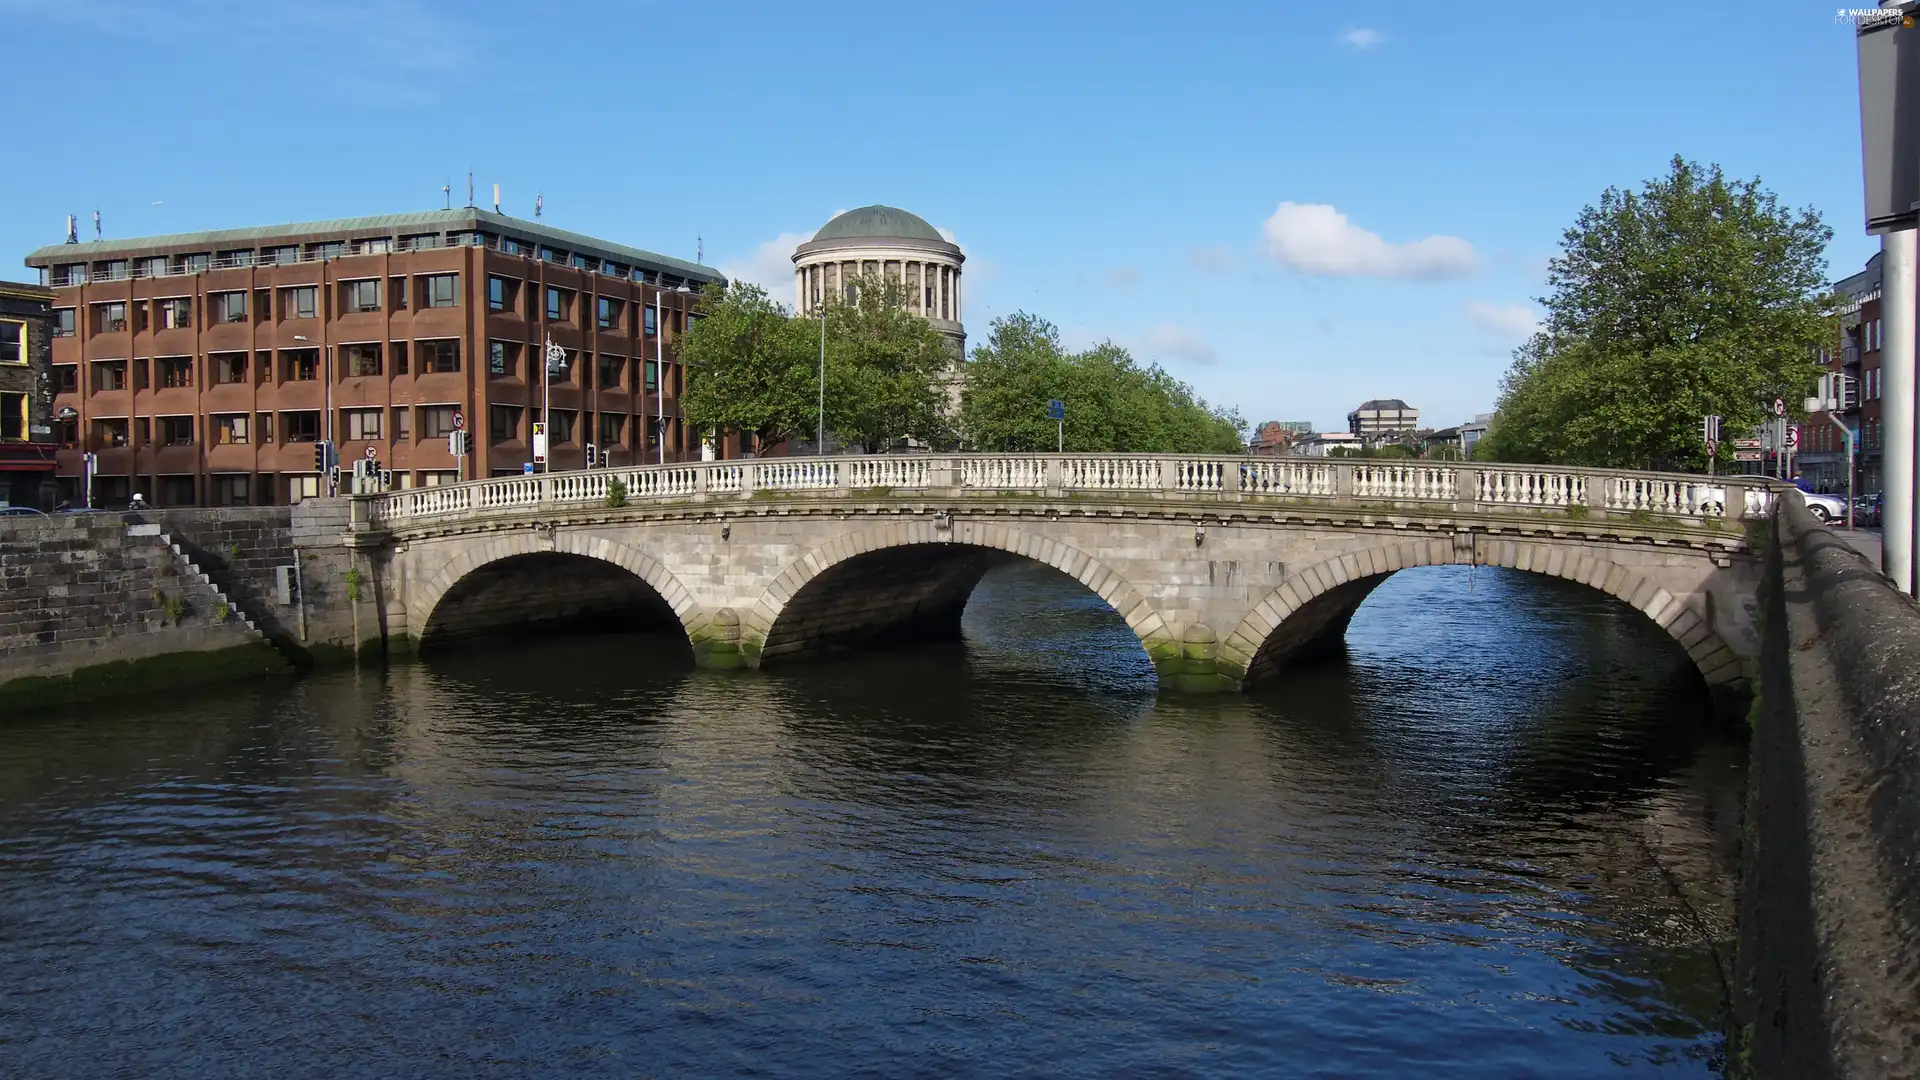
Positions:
{"x": 820, "y": 428}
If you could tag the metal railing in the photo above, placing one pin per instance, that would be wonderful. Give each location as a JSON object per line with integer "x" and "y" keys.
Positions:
{"x": 1460, "y": 487}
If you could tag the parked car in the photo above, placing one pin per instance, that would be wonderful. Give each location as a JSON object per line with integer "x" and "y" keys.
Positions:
{"x": 1866, "y": 511}
{"x": 1828, "y": 508}
{"x": 20, "y": 511}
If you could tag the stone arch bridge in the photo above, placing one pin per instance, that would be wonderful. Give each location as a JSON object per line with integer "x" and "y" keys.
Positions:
{"x": 1225, "y": 567}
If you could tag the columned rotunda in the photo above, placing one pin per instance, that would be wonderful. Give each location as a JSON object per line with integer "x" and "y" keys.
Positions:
{"x": 885, "y": 241}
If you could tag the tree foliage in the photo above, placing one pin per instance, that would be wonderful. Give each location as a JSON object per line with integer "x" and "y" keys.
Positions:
{"x": 1695, "y": 295}
{"x": 1113, "y": 404}
{"x": 754, "y": 367}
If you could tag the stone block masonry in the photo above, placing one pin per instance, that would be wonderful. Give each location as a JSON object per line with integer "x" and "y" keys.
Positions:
{"x": 91, "y": 604}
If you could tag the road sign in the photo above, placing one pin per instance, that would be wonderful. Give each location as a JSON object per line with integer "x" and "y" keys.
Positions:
{"x": 1713, "y": 448}
{"x": 526, "y": 468}
{"x": 1746, "y": 455}
{"x": 1779, "y": 407}
{"x": 1793, "y": 435}
{"x": 459, "y": 420}
{"x": 1746, "y": 444}
{"x": 1056, "y": 409}
{"x": 371, "y": 453}
{"x": 539, "y": 442}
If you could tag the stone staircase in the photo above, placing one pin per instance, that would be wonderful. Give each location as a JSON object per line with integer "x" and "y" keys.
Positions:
{"x": 235, "y": 613}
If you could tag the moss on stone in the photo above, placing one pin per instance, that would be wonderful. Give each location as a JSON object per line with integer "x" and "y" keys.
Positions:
{"x": 150, "y": 674}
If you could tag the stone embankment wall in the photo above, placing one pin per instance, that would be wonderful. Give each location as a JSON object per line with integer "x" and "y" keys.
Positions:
{"x": 93, "y": 604}
{"x": 96, "y": 604}
{"x": 1828, "y": 975}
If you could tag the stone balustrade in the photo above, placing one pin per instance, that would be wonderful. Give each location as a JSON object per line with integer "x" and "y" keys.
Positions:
{"x": 1457, "y": 486}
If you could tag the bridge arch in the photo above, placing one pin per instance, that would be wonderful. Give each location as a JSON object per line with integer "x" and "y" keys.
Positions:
{"x": 1314, "y": 605}
{"x": 778, "y": 622}
{"x": 427, "y": 602}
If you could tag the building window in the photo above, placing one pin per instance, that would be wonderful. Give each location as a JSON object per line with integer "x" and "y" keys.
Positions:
{"x": 610, "y": 369}
{"x": 231, "y": 489}
{"x": 653, "y": 433}
{"x": 377, "y": 246}
{"x": 13, "y": 417}
{"x": 439, "y": 357}
{"x": 174, "y": 372}
{"x": 436, "y": 421}
{"x": 332, "y": 249}
{"x": 63, "y": 323}
{"x": 402, "y": 424}
{"x": 153, "y": 267}
{"x": 196, "y": 264}
{"x": 281, "y": 255}
{"x": 437, "y": 477}
{"x": 610, "y": 312}
{"x": 503, "y": 423}
{"x": 176, "y": 431}
{"x": 358, "y": 296}
{"x": 13, "y": 342}
{"x": 70, "y": 274}
{"x": 176, "y": 314}
{"x": 229, "y": 367}
{"x": 300, "y": 303}
{"x": 299, "y": 365}
{"x": 110, "y": 318}
{"x": 503, "y": 294}
{"x": 579, "y": 261}
{"x": 302, "y": 487}
{"x": 503, "y": 359}
{"x": 229, "y": 307}
{"x": 300, "y": 426}
{"x": 230, "y": 429}
{"x": 263, "y": 428}
{"x": 67, "y": 431}
{"x": 560, "y": 432}
{"x": 648, "y": 321}
{"x": 437, "y": 290}
{"x": 110, "y": 433}
{"x": 361, "y": 425}
{"x": 109, "y": 375}
{"x": 559, "y": 305}
{"x": 66, "y": 378}
{"x": 653, "y": 375}
{"x": 362, "y": 358}
{"x": 421, "y": 242}
{"x": 397, "y": 293}
{"x": 398, "y": 350}
{"x": 111, "y": 270}
{"x": 612, "y": 427}
{"x": 140, "y": 375}
{"x": 236, "y": 257}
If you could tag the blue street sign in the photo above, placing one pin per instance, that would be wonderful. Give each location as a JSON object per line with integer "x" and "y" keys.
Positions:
{"x": 1056, "y": 409}
{"x": 526, "y": 468}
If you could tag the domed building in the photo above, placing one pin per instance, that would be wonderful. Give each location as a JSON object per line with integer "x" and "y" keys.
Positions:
{"x": 894, "y": 244}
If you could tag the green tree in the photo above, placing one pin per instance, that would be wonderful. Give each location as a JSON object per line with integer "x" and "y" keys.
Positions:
{"x": 1113, "y": 404}
{"x": 1695, "y": 295}
{"x": 754, "y": 367}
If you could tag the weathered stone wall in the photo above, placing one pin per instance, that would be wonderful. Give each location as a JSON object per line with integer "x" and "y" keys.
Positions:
{"x": 1828, "y": 974}
{"x": 239, "y": 548}
{"x": 87, "y": 590}
{"x": 545, "y": 592}
{"x": 915, "y": 593}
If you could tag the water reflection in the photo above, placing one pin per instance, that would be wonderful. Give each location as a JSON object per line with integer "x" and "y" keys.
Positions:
{"x": 1495, "y": 841}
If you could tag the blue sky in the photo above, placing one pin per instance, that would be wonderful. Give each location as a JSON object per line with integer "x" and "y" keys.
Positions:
{"x": 1294, "y": 207}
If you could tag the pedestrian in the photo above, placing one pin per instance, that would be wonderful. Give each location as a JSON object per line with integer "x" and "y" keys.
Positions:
{"x": 139, "y": 502}
{"x": 1802, "y": 483}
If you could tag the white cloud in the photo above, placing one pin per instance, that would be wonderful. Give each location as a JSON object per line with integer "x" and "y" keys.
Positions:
{"x": 1361, "y": 38}
{"x": 1315, "y": 238}
{"x": 770, "y": 266}
{"x": 1506, "y": 320}
{"x": 1173, "y": 339}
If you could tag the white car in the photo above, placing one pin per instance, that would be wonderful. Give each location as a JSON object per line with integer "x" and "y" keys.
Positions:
{"x": 1828, "y": 508}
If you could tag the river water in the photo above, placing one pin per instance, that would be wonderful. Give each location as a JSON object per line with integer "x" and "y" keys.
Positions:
{"x": 1498, "y": 840}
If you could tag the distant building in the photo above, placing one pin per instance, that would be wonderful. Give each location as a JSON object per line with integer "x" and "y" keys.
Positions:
{"x": 1471, "y": 434}
{"x": 1277, "y": 437}
{"x": 1321, "y": 444}
{"x": 1446, "y": 441}
{"x": 1383, "y": 420}
{"x": 27, "y": 446}
{"x": 1822, "y": 456}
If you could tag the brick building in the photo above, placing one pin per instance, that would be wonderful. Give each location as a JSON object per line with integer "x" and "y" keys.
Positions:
{"x": 1822, "y": 452}
{"x": 200, "y": 369}
{"x": 26, "y": 396}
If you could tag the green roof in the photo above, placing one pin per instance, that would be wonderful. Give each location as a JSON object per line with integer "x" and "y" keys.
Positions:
{"x": 458, "y": 219}
{"x": 876, "y": 221}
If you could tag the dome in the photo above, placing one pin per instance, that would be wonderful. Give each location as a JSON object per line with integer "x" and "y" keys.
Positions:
{"x": 878, "y": 221}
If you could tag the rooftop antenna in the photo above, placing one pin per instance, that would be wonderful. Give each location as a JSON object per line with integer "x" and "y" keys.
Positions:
{"x": 73, "y": 229}
{"x": 447, "y": 190}
{"x": 699, "y": 249}
{"x": 469, "y": 187}
{"x": 539, "y": 202}
{"x": 496, "y": 196}
{"x": 96, "y": 224}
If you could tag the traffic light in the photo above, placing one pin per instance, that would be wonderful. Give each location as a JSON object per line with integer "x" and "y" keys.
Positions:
{"x": 593, "y": 455}
{"x": 322, "y": 456}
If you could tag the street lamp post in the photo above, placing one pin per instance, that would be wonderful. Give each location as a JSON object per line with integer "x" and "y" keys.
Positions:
{"x": 551, "y": 357}
{"x": 326, "y": 372}
{"x": 820, "y": 428}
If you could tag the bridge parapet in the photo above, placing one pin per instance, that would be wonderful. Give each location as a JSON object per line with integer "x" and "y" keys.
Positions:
{"x": 1457, "y": 486}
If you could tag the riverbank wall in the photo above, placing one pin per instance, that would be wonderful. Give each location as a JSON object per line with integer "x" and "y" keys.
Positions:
{"x": 101, "y": 604}
{"x": 1827, "y": 979}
